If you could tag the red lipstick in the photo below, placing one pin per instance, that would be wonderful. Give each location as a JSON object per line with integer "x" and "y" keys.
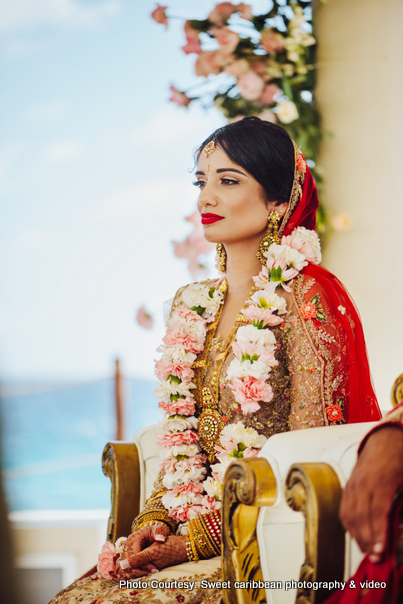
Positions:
{"x": 207, "y": 218}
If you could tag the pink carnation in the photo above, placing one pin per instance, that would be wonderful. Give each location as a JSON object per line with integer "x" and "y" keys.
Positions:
{"x": 245, "y": 11}
{"x": 250, "y": 389}
{"x": 299, "y": 243}
{"x": 159, "y": 15}
{"x": 210, "y": 503}
{"x": 250, "y": 452}
{"x": 236, "y": 69}
{"x": 181, "y": 370}
{"x": 176, "y": 334}
{"x": 144, "y": 318}
{"x": 187, "y": 437}
{"x": 196, "y": 460}
{"x": 106, "y": 561}
{"x": 194, "y": 488}
{"x": 183, "y": 406}
{"x": 183, "y": 312}
{"x": 250, "y": 85}
{"x": 190, "y": 32}
{"x": 253, "y": 313}
{"x": 250, "y": 348}
{"x": 168, "y": 465}
{"x": 185, "y": 512}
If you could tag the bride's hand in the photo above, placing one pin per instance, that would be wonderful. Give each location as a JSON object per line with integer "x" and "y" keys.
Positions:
{"x": 135, "y": 543}
{"x": 157, "y": 555}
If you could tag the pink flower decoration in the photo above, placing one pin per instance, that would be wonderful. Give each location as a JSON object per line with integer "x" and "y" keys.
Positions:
{"x": 182, "y": 370}
{"x": 192, "y": 46}
{"x": 250, "y": 452}
{"x": 236, "y": 69}
{"x": 308, "y": 311}
{"x": 206, "y": 63}
{"x": 159, "y": 15}
{"x": 299, "y": 243}
{"x": 185, "y": 512}
{"x": 301, "y": 164}
{"x": 268, "y": 116}
{"x": 185, "y": 313}
{"x": 106, "y": 561}
{"x": 245, "y": 11}
{"x": 210, "y": 503}
{"x": 250, "y": 85}
{"x": 250, "y": 348}
{"x": 228, "y": 40}
{"x": 190, "y": 32}
{"x": 253, "y": 313}
{"x": 196, "y": 460}
{"x": 222, "y": 12}
{"x": 250, "y": 389}
{"x": 194, "y": 488}
{"x": 176, "y": 334}
{"x": 183, "y": 406}
{"x": 269, "y": 92}
{"x": 179, "y": 97}
{"x": 168, "y": 465}
{"x": 143, "y": 318}
{"x": 187, "y": 437}
{"x": 272, "y": 41}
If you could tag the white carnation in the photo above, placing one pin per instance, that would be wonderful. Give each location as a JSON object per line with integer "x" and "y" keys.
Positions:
{"x": 248, "y": 436}
{"x": 213, "y": 488}
{"x": 250, "y": 333}
{"x": 177, "y": 353}
{"x": 240, "y": 369}
{"x": 175, "y": 450}
{"x": 178, "y": 424}
{"x": 175, "y": 501}
{"x": 183, "y": 476}
{"x": 197, "y": 328}
{"x": 199, "y": 295}
{"x": 267, "y": 299}
{"x": 163, "y": 390}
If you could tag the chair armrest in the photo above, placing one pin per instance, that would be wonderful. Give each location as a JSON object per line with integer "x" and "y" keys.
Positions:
{"x": 120, "y": 462}
{"x": 248, "y": 485}
{"x": 314, "y": 489}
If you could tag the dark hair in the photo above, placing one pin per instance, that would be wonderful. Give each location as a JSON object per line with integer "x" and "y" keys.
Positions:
{"x": 263, "y": 149}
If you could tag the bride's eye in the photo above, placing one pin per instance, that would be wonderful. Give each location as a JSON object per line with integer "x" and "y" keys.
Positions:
{"x": 199, "y": 183}
{"x": 229, "y": 181}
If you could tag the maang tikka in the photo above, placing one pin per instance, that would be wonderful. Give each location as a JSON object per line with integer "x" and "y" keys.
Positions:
{"x": 270, "y": 237}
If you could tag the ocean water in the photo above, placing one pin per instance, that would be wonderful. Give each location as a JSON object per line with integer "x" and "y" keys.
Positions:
{"x": 52, "y": 442}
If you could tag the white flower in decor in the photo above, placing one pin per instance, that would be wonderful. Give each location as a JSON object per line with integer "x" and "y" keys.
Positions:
{"x": 213, "y": 488}
{"x": 267, "y": 299}
{"x": 177, "y": 353}
{"x": 178, "y": 423}
{"x": 287, "y": 112}
{"x": 240, "y": 369}
{"x": 179, "y": 450}
{"x": 184, "y": 475}
{"x": 239, "y": 433}
{"x": 164, "y": 390}
{"x": 203, "y": 299}
{"x": 293, "y": 258}
{"x": 250, "y": 333}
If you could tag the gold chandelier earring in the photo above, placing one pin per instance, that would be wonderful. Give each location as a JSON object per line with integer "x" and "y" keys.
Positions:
{"x": 222, "y": 257}
{"x": 270, "y": 237}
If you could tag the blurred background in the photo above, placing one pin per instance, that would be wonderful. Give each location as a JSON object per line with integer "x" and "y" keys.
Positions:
{"x": 95, "y": 183}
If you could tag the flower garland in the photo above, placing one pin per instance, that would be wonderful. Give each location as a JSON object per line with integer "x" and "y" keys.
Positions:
{"x": 189, "y": 491}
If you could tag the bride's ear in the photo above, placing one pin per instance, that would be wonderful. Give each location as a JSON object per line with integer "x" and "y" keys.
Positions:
{"x": 277, "y": 206}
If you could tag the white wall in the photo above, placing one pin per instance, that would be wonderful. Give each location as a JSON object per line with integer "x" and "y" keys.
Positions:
{"x": 360, "y": 92}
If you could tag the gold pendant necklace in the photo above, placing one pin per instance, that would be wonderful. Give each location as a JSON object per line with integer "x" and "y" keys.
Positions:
{"x": 210, "y": 421}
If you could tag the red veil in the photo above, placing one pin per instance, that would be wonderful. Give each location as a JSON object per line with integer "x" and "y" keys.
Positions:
{"x": 359, "y": 400}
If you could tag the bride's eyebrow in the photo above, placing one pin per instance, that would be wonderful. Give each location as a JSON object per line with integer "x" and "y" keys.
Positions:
{"x": 222, "y": 170}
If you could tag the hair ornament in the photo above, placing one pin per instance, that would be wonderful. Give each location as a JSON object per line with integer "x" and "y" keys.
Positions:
{"x": 209, "y": 148}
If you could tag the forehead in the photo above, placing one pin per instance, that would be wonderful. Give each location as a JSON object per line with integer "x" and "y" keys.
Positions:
{"x": 217, "y": 159}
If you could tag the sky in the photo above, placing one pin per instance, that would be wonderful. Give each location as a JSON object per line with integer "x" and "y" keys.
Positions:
{"x": 95, "y": 181}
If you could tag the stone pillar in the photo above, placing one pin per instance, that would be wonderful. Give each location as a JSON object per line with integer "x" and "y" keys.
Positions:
{"x": 360, "y": 96}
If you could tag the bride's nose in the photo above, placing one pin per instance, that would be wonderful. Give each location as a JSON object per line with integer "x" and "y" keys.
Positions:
{"x": 207, "y": 198}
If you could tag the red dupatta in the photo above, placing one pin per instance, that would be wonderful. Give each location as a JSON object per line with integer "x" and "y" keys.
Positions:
{"x": 360, "y": 402}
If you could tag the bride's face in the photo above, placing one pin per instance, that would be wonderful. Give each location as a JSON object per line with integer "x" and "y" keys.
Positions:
{"x": 231, "y": 202}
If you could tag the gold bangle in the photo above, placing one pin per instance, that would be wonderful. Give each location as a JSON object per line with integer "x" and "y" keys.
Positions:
{"x": 193, "y": 544}
{"x": 201, "y": 545}
{"x": 216, "y": 549}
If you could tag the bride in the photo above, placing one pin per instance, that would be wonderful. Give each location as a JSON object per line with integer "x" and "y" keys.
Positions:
{"x": 274, "y": 344}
